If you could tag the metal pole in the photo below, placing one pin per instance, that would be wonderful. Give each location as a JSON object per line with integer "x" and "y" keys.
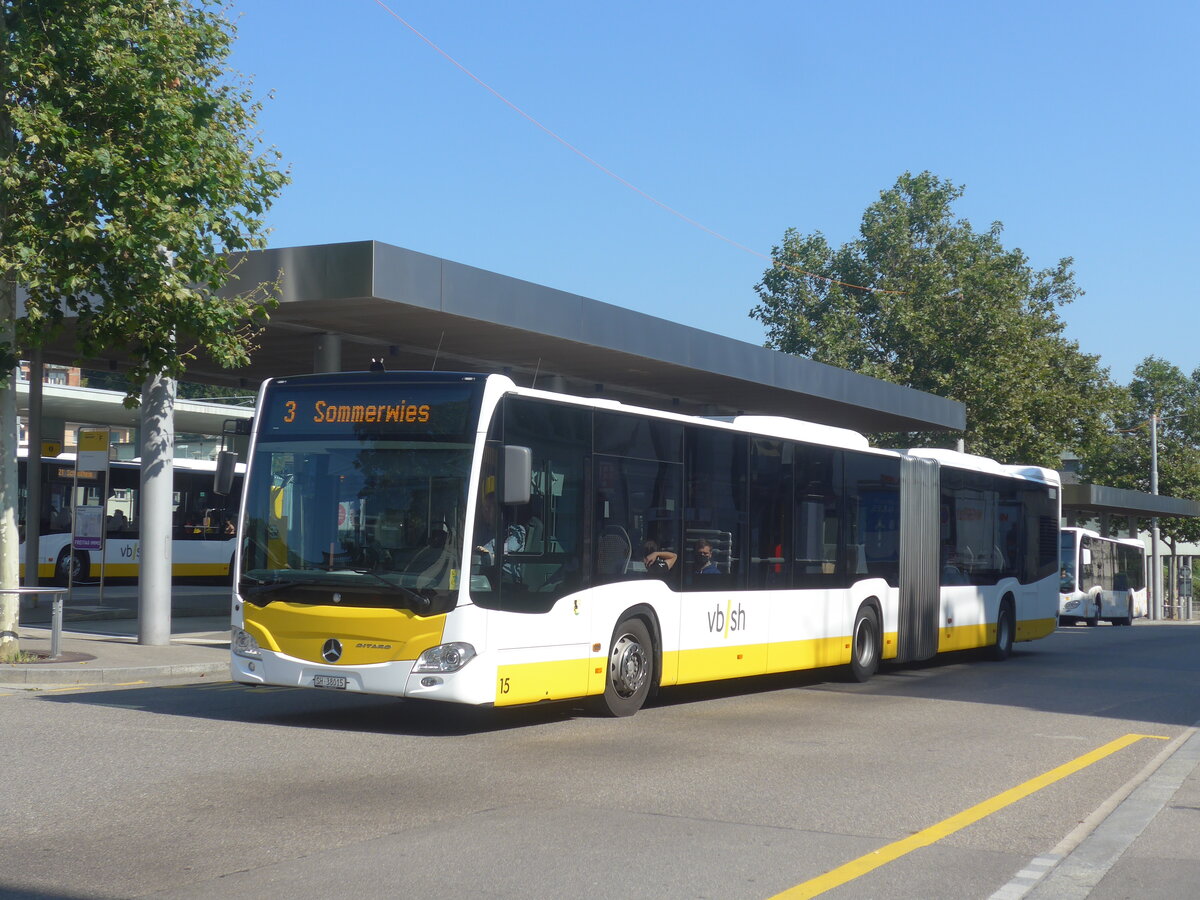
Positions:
{"x": 104, "y": 525}
{"x": 1155, "y": 558}
{"x": 56, "y": 614}
{"x": 33, "y": 473}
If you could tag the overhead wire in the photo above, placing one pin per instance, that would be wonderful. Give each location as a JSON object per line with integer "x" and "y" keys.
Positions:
{"x": 776, "y": 263}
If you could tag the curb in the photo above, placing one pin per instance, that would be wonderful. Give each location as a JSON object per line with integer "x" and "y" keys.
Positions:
{"x": 43, "y": 674}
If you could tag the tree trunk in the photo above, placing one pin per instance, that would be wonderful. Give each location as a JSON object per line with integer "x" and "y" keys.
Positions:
{"x": 10, "y": 540}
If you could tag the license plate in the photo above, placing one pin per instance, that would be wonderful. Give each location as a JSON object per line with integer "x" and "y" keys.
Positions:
{"x": 337, "y": 682}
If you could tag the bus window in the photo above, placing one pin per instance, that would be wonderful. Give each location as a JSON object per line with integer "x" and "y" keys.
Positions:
{"x": 770, "y": 512}
{"x": 541, "y": 556}
{"x": 873, "y": 515}
{"x": 714, "y": 509}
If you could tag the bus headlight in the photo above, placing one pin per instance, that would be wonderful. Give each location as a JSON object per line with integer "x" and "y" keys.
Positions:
{"x": 445, "y": 657}
{"x": 1071, "y": 604}
{"x": 244, "y": 644}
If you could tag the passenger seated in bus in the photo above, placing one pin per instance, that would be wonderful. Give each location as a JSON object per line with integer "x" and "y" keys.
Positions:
{"x": 658, "y": 562}
{"x": 705, "y": 564}
{"x": 117, "y": 522}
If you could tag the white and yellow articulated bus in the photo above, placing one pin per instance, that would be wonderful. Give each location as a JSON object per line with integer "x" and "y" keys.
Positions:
{"x": 455, "y": 537}
{"x": 1103, "y": 578}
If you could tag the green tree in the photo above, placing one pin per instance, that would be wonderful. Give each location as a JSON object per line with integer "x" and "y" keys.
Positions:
{"x": 1123, "y": 458}
{"x": 129, "y": 165}
{"x": 923, "y": 300}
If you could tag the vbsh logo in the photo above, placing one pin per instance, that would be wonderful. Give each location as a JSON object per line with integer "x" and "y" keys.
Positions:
{"x": 723, "y": 621}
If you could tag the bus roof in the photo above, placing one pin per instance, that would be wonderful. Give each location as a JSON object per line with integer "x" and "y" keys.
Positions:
{"x": 986, "y": 464}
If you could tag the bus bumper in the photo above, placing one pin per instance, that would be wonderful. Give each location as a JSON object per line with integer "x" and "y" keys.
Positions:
{"x": 390, "y": 679}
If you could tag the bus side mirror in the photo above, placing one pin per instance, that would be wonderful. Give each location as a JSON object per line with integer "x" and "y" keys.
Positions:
{"x": 223, "y": 477}
{"x": 1087, "y": 557}
{"x": 518, "y": 472}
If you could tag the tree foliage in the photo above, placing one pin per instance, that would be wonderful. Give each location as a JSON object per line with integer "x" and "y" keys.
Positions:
{"x": 1123, "y": 458}
{"x": 922, "y": 299}
{"x": 129, "y": 164}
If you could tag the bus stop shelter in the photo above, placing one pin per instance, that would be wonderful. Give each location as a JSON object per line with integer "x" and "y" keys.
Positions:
{"x": 343, "y": 305}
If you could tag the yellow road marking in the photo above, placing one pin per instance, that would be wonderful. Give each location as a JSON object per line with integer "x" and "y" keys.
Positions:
{"x": 884, "y": 855}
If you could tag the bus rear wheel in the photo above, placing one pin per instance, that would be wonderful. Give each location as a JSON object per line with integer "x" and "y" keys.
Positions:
{"x": 1005, "y": 630}
{"x": 865, "y": 644}
{"x": 630, "y": 667}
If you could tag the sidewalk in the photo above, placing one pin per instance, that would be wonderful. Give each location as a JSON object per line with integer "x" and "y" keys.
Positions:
{"x": 98, "y": 644}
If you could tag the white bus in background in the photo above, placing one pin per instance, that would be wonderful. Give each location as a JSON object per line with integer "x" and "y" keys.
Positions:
{"x": 203, "y": 529}
{"x": 1103, "y": 578}
{"x": 456, "y": 537}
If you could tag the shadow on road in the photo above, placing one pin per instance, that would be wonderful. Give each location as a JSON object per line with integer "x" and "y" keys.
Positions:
{"x": 1148, "y": 673}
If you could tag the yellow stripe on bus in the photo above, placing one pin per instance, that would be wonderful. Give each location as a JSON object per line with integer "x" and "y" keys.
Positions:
{"x": 553, "y": 680}
{"x": 716, "y": 663}
{"x": 46, "y": 571}
{"x": 791, "y": 656}
{"x": 567, "y": 679}
{"x": 1033, "y": 629}
{"x": 969, "y": 637}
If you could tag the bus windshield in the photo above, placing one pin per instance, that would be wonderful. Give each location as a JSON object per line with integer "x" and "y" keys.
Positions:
{"x": 1067, "y": 571}
{"x": 379, "y": 525}
{"x": 356, "y": 492}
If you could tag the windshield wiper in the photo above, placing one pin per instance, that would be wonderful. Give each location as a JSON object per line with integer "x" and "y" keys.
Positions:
{"x": 422, "y": 603}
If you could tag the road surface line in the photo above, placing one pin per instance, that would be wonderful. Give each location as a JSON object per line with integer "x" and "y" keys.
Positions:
{"x": 934, "y": 833}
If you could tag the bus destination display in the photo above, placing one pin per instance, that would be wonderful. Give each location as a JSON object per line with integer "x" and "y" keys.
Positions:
{"x": 353, "y": 409}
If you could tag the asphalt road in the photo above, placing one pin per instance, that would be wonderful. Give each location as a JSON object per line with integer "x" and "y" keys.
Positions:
{"x": 736, "y": 790}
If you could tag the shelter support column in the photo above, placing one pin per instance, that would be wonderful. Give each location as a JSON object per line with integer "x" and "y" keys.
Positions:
{"x": 158, "y": 453}
{"x": 327, "y": 353}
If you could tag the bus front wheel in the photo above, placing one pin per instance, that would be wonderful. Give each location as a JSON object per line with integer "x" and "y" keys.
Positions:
{"x": 70, "y": 568}
{"x": 1094, "y": 619}
{"x": 630, "y": 667}
{"x": 865, "y": 643}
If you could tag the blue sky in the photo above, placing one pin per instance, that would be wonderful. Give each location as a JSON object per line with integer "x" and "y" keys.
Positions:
{"x": 1074, "y": 124}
